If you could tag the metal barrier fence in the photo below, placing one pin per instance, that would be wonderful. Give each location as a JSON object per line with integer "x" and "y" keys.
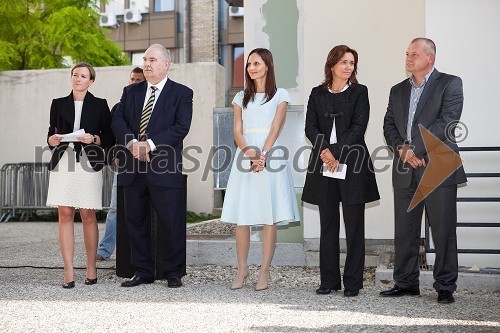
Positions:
{"x": 23, "y": 189}
{"x": 471, "y": 224}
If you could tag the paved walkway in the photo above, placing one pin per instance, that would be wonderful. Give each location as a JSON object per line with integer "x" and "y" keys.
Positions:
{"x": 32, "y": 299}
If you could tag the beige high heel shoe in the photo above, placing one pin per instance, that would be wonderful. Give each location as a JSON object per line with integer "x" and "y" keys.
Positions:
{"x": 238, "y": 284}
{"x": 263, "y": 283}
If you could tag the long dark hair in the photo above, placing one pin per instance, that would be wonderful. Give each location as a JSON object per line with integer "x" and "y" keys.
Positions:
{"x": 250, "y": 89}
{"x": 333, "y": 58}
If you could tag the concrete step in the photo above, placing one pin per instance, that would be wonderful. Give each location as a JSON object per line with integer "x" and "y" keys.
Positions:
{"x": 467, "y": 280}
{"x": 223, "y": 252}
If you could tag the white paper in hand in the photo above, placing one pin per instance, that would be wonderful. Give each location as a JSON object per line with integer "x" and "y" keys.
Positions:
{"x": 72, "y": 137}
{"x": 339, "y": 174}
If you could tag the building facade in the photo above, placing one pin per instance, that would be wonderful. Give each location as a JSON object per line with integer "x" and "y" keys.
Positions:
{"x": 193, "y": 31}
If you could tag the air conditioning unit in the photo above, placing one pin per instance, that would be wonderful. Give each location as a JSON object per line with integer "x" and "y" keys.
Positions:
{"x": 108, "y": 20}
{"x": 235, "y": 11}
{"x": 132, "y": 16}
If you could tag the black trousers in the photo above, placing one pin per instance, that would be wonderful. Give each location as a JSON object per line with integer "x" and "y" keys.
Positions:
{"x": 171, "y": 223}
{"x": 329, "y": 255}
{"x": 441, "y": 209}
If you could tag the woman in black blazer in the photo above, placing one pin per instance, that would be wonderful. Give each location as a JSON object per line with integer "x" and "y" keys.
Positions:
{"x": 336, "y": 121}
{"x": 75, "y": 178}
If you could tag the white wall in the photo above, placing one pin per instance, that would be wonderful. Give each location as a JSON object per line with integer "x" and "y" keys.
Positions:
{"x": 25, "y": 98}
{"x": 380, "y": 36}
{"x": 467, "y": 35}
{"x": 380, "y": 32}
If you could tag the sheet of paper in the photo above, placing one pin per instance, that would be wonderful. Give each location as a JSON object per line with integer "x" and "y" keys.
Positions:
{"x": 339, "y": 174}
{"x": 72, "y": 137}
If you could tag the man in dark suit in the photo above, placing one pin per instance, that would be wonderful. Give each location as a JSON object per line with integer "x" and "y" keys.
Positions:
{"x": 433, "y": 100}
{"x": 150, "y": 124}
{"x": 108, "y": 241}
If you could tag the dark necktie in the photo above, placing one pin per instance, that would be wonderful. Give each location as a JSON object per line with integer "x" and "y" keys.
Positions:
{"x": 146, "y": 114}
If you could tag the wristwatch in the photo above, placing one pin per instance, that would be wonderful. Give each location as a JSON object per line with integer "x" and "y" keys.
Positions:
{"x": 95, "y": 138}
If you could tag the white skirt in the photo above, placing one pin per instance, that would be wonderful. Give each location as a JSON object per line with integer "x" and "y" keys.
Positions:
{"x": 75, "y": 184}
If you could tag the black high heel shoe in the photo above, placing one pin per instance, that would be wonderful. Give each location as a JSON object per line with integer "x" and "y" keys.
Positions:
{"x": 89, "y": 282}
{"x": 69, "y": 285}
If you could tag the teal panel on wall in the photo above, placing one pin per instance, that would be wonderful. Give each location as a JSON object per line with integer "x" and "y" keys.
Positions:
{"x": 282, "y": 18}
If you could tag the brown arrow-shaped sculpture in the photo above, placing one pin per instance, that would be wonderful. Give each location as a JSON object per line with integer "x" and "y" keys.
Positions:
{"x": 442, "y": 163}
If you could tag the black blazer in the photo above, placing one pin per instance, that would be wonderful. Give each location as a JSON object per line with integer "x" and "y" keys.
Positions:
{"x": 168, "y": 126}
{"x": 96, "y": 120}
{"x": 111, "y": 152}
{"x": 351, "y": 110}
{"x": 438, "y": 108}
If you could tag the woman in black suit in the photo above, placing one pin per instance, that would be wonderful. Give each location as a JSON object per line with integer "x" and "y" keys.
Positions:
{"x": 75, "y": 178}
{"x": 336, "y": 121}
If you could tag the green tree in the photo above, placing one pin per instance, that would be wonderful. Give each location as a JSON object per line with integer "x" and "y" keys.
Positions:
{"x": 39, "y": 33}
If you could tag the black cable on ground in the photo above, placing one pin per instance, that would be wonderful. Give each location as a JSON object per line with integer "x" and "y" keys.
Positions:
{"x": 46, "y": 267}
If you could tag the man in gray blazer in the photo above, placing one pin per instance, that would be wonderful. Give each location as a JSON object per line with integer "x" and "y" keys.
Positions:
{"x": 433, "y": 100}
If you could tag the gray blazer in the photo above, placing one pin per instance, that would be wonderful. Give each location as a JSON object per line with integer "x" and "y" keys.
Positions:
{"x": 438, "y": 110}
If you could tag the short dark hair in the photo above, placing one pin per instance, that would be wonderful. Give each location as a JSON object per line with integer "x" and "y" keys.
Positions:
{"x": 86, "y": 65}
{"x": 137, "y": 70}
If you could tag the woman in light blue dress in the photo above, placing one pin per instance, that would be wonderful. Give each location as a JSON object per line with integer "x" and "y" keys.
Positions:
{"x": 260, "y": 189}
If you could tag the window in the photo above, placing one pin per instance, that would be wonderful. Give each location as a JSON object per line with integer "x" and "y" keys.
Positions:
{"x": 137, "y": 58}
{"x": 180, "y": 21}
{"x": 141, "y": 5}
{"x": 115, "y": 6}
{"x": 238, "y": 67}
{"x": 164, "y": 5}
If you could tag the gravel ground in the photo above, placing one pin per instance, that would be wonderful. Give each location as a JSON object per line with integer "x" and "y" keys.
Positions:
{"x": 32, "y": 299}
{"x": 211, "y": 228}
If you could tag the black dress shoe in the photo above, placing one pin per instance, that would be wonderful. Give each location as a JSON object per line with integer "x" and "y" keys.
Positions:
{"x": 90, "y": 282}
{"x": 445, "y": 297}
{"x": 69, "y": 285}
{"x": 137, "y": 280}
{"x": 397, "y": 291}
{"x": 174, "y": 282}
{"x": 324, "y": 291}
{"x": 351, "y": 293}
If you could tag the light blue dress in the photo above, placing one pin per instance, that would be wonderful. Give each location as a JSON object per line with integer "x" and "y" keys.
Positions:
{"x": 266, "y": 197}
